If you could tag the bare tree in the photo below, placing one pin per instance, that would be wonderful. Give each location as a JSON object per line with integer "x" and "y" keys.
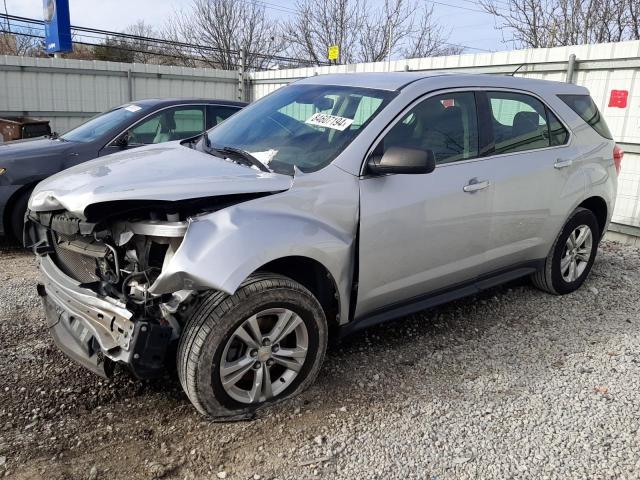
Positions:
{"x": 550, "y": 23}
{"x": 318, "y": 24}
{"x": 144, "y": 51}
{"x": 429, "y": 39}
{"x": 21, "y": 41}
{"x": 385, "y": 29}
{"x": 225, "y": 27}
{"x": 364, "y": 32}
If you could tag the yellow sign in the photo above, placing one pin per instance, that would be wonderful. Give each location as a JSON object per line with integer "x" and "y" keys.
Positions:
{"x": 334, "y": 52}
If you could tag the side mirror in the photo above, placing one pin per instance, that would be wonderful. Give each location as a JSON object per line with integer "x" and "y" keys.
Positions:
{"x": 122, "y": 141}
{"x": 402, "y": 160}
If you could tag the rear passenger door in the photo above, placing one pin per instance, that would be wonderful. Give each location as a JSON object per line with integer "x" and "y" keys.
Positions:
{"x": 535, "y": 182}
{"x": 423, "y": 233}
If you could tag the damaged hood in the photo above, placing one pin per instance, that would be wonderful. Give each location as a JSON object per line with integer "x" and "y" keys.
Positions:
{"x": 166, "y": 172}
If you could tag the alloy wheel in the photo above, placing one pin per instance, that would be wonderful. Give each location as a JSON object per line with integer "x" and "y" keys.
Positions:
{"x": 264, "y": 355}
{"x": 577, "y": 253}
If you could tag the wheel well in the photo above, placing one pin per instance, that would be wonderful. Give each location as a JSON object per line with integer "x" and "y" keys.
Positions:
{"x": 8, "y": 208}
{"x": 599, "y": 208}
{"x": 315, "y": 277}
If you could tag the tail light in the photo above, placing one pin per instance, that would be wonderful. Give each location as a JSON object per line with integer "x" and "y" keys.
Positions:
{"x": 618, "y": 153}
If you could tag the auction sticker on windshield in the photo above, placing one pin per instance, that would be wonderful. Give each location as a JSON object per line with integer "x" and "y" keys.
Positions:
{"x": 329, "y": 121}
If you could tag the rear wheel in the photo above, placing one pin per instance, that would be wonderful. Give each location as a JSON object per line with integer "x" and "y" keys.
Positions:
{"x": 240, "y": 352}
{"x": 572, "y": 255}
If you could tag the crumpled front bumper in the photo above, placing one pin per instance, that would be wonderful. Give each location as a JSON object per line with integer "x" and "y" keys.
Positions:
{"x": 91, "y": 330}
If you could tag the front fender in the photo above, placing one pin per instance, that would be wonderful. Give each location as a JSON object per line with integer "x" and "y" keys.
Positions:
{"x": 314, "y": 219}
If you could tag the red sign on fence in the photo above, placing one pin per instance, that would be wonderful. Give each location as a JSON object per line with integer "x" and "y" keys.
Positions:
{"x": 618, "y": 98}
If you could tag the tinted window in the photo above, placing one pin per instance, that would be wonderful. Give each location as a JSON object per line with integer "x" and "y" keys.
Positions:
{"x": 305, "y": 126}
{"x": 519, "y": 122}
{"x": 583, "y": 105}
{"x": 445, "y": 124}
{"x": 217, "y": 114}
{"x": 167, "y": 125}
{"x": 558, "y": 135}
{"x": 101, "y": 124}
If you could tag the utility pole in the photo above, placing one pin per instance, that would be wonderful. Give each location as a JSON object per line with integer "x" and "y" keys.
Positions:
{"x": 241, "y": 74}
{"x": 389, "y": 46}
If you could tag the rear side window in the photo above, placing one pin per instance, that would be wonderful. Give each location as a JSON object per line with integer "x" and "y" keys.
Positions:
{"x": 583, "y": 105}
{"x": 218, "y": 113}
{"x": 558, "y": 135}
{"x": 521, "y": 122}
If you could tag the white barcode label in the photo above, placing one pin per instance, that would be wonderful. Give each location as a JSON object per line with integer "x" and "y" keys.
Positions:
{"x": 329, "y": 121}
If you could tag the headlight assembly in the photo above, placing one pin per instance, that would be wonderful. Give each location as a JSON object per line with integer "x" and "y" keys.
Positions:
{"x": 44, "y": 202}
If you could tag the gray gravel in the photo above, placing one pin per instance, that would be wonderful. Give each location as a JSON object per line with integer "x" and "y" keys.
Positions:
{"x": 511, "y": 384}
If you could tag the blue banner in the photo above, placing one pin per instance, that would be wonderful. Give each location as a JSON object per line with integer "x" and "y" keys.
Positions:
{"x": 57, "y": 26}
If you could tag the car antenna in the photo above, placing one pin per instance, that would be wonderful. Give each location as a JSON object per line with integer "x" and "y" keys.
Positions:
{"x": 516, "y": 70}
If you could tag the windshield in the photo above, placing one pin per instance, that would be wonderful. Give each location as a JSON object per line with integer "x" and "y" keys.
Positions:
{"x": 100, "y": 124}
{"x": 302, "y": 125}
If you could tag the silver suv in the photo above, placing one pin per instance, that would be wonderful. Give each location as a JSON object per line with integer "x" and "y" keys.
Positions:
{"x": 333, "y": 204}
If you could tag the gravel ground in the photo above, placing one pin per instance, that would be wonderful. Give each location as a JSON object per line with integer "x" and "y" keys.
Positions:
{"x": 511, "y": 384}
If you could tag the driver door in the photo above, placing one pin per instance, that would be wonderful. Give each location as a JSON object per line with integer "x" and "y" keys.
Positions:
{"x": 421, "y": 233}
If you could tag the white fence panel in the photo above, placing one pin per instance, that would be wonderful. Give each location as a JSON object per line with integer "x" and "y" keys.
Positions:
{"x": 67, "y": 92}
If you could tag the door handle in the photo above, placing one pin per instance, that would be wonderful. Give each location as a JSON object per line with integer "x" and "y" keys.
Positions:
{"x": 474, "y": 185}
{"x": 562, "y": 163}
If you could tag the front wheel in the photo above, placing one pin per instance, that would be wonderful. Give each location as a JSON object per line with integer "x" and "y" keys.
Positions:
{"x": 572, "y": 255}
{"x": 16, "y": 216}
{"x": 240, "y": 352}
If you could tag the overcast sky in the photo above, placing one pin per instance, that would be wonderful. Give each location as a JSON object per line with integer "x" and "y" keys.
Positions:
{"x": 468, "y": 25}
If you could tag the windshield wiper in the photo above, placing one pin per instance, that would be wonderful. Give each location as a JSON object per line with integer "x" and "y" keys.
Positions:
{"x": 240, "y": 154}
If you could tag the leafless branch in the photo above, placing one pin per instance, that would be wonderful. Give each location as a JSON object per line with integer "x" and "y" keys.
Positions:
{"x": 550, "y": 23}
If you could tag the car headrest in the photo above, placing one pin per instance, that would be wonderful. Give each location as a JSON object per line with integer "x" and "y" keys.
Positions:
{"x": 167, "y": 122}
{"x": 450, "y": 120}
{"x": 525, "y": 122}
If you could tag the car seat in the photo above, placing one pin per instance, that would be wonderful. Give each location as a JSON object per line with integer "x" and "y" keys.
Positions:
{"x": 525, "y": 123}
{"x": 166, "y": 128}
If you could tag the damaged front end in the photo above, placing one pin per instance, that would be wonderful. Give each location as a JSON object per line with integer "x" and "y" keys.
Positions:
{"x": 97, "y": 274}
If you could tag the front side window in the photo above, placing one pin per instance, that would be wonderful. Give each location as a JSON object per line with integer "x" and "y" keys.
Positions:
{"x": 167, "y": 125}
{"x": 101, "y": 124}
{"x": 445, "y": 124}
{"x": 305, "y": 126}
{"x": 521, "y": 122}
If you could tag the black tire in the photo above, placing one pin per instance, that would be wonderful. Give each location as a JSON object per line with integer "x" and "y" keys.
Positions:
{"x": 550, "y": 278}
{"x": 212, "y": 324}
{"x": 16, "y": 216}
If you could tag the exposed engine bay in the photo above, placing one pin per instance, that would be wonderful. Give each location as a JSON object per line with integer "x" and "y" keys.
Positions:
{"x": 117, "y": 253}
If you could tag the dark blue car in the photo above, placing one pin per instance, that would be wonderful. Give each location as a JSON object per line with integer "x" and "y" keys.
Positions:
{"x": 24, "y": 163}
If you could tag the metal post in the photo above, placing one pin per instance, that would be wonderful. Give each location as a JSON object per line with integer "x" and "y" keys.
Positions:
{"x": 130, "y": 84}
{"x": 241, "y": 72}
{"x": 389, "y": 48}
{"x": 571, "y": 67}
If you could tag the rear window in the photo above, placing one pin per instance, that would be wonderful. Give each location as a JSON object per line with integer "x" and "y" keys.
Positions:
{"x": 583, "y": 105}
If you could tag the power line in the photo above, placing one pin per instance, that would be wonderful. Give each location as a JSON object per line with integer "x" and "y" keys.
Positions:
{"x": 457, "y": 6}
{"x": 161, "y": 41}
{"x": 150, "y": 41}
